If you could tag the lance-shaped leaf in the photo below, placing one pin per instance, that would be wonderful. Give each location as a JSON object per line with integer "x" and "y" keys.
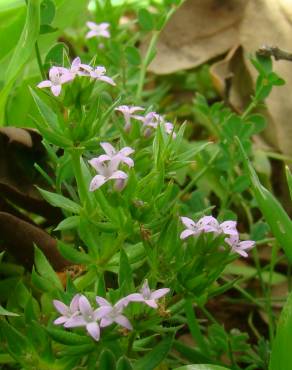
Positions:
{"x": 275, "y": 215}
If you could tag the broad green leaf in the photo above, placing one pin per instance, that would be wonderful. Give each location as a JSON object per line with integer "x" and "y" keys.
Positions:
{"x": 55, "y": 55}
{"x": 202, "y": 367}
{"x": 47, "y": 11}
{"x": 60, "y": 201}
{"x": 16, "y": 342}
{"x": 4, "y": 312}
{"x": 71, "y": 254}
{"x": 44, "y": 268}
{"x": 281, "y": 352}
{"x": 275, "y": 215}
{"x": 145, "y": 20}
{"x": 156, "y": 356}
{"x": 22, "y": 51}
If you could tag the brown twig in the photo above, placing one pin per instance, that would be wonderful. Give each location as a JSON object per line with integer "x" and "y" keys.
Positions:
{"x": 274, "y": 51}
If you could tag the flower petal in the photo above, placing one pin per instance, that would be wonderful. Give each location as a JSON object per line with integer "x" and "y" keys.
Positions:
{"x": 107, "y": 80}
{"x": 118, "y": 175}
{"x": 75, "y": 322}
{"x": 84, "y": 306}
{"x": 74, "y": 305}
{"x": 46, "y": 83}
{"x": 97, "y": 182}
{"x": 60, "y": 307}
{"x": 102, "y": 301}
{"x": 106, "y": 321}
{"x": 151, "y": 303}
{"x": 135, "y": 297}
{"x": 56, "y": 89}
{"x": 102, "y": 312}
{"x": 159, "y": 293}
{"x": 93, "y": 330}
{"x": 123, "y": 321}
{"x": 126, "y": 151}
{"x": 189, "y": 223}
{"x": 186, "y": 233}
{"x": 61, "y": 320}
{"x": 108, "y": 148}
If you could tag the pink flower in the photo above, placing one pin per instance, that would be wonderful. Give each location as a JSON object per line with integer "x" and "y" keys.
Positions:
{"x": 239, "y": 247}
{"x": 98, "y": 30}
{"x": 151, "y": 120}
{"x": 208, "y": 224}
{"x": 56, "y": 80}
{"x": 88, "y": 318}
{"x": 147, "y": 296}
{"x": 192, "y": 228}
{"x": 76, "y": 69}
{"x": 107, "y": 166}
{"x": 99, "y": 72}
{"x": 127, "y": 112}
{"x": 113, "y": 313}
{"x": 67, "y": 312}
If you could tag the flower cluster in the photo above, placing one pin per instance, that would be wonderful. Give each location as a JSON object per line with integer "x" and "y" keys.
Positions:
{"x": 107, "y": 165}
{"x": 150, "y": 120}
{"x": 81, "y": 314}
{"x": 58, "y": 76}
{"x": 209, "y": 224}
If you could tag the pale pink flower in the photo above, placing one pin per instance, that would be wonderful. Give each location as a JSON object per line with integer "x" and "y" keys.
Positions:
{"x": 128, "y": 113}
{"x": 239, "y": 247}
{"x": 98, "y": 30}
{"x": 56, "y": 80}
{"x": 76, "y": 69}
{"x": 147, "y": 295}
{"x": 88, "y": 318}
{"x": 107, "y": 166}
{"x": 151, "y": 121}
{"x": 114, "y": 313}
{"x": 67, "y": 312}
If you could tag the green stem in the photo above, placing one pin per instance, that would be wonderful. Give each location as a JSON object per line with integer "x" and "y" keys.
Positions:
{"x": 82, "y": 188}
{"x": 194, "y": 327}
{"x": 149, "y": 54}
{"x": 39, "y": 60}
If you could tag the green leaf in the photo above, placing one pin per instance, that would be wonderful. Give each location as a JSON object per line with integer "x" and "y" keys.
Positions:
{"x": 44, "y": 268}
{"x": 156, "y": 356}
{"x": 125, "y": 274}
{"x": 124, "y": 364}
{"x": 22, "y": 51}
{"x": 48, "y": 115}
{"x": 48, "y": 11}
{"x": 289, "y": 180}
{"x": 68, "y": 223}
{"x": 56, "y": 55}
{"x": 145, "y": 19}
{"x": 60, "y": 201}
{"x": 275, "y": 215}
{"x": 4, "y": 312}
{"x": 106, "y": 360}
{"x": 281, "y": 355}
{"x": 66, "y": 337}
{"x": 202, "y": 367}
{"x": 133, "y": 55}
{"x": 71, "y": 254}
{"x": 16, "y": 342}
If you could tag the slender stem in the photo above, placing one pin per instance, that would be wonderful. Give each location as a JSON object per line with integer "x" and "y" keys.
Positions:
{"x": 82, "y": 188}
{"x": 149, "y": 54}
{"x": 194, "y": 327}
{"x": 39, "y": 60}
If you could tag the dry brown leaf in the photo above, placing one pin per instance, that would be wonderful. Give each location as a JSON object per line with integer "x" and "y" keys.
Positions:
{"x": 200, "y": 31}
{"x": 19, "y": 237}
{"x": 197, "y": 32}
